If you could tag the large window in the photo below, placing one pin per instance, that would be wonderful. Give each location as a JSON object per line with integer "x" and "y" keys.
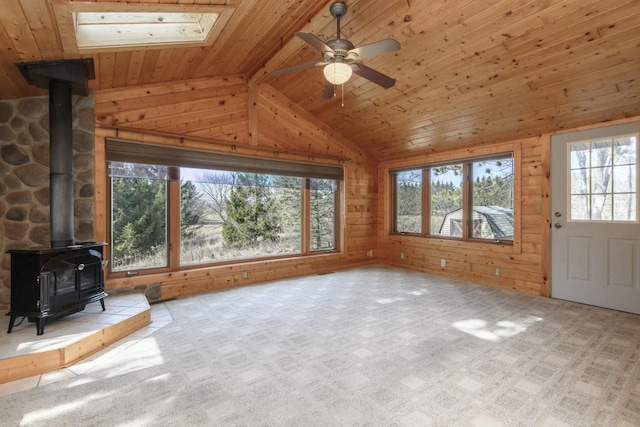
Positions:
{"x": 462, "y": 200}
{"x": 167, "y": 217}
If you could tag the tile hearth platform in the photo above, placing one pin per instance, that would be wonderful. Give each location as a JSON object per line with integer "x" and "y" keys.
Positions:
{"x": 69, "y": 339}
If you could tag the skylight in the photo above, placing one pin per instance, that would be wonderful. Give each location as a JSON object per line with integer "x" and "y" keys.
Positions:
{"x": 115, "y": 29}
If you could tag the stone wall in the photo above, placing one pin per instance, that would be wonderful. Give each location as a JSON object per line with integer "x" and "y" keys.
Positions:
{"x": 24, "y": 177}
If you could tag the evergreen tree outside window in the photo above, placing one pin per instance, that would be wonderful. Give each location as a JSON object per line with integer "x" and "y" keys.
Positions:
{"x": 261, "y": 216}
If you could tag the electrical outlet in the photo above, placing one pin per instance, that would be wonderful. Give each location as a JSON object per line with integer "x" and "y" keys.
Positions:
{"x": 496, "y": 271}
{"x": 443, "y": 263}
{"x": 401, "y": 255}
{"x": 245, "y": 274}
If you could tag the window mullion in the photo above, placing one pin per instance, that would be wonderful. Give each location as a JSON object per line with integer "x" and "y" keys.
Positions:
{"x": 393, "y": 191}
{"x": 426, "y": 202}
{"x": 173, "y": 222}
{"x": 338, "y": 214}
{"x": 467, "y": 205}
{"x": 306, "y": 216}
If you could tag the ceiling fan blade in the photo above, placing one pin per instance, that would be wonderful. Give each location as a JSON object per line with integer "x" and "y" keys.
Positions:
{"x": 314, "y": 41}
{"x": 374, "y": 76}
{"x": 376, "y": 48}
{"x": 296, "y": 68}
{"x": 329, "y": 91}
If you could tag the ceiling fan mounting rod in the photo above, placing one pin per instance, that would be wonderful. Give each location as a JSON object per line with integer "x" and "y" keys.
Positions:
{"x": 337, "y": 10}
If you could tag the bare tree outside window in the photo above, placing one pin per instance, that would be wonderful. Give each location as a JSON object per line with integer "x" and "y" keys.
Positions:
{"x": 603, "y": 179}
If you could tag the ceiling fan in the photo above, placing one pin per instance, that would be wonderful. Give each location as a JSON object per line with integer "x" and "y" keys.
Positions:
{"x": 340, "y": 58}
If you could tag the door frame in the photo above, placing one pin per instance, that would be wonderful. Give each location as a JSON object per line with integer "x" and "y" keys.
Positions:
{"x": 545, "y": 139}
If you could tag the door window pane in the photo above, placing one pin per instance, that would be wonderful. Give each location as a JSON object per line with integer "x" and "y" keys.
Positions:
{"x": 624, "y": 207}
{"x": 580, "y": 157}
{"x": 580, "y": 207}
{"x": 601, "y": 207}
{"x": 580, "y": 181}
{"x": 601, "y": 153}
{"x": 624, "y": 150}
{"x": 601, "y": 180}
{"x": 625, "y": 179}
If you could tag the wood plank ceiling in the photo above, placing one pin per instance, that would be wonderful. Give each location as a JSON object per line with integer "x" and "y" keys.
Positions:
{"x": 468, "y": 72}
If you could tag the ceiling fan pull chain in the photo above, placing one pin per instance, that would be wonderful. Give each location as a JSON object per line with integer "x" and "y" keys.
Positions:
{"x": 342, "y": 94}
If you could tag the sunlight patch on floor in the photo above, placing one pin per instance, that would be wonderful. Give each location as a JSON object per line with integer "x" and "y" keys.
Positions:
{"x": 147, "y": 355}
{"x": 40, "y": 416}
{"x": 499, "y": 330}
{"x": 389, "y": 300}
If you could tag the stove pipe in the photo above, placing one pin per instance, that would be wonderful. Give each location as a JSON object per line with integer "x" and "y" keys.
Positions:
{"x": 61, "y": 163}
{"x": 62, "y": 78}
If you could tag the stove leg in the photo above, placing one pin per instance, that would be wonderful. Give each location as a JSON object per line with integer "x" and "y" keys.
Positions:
{"x": 102, "y": 304}
{"x": 11, "y": 321}
{"x": 40, "y": 325}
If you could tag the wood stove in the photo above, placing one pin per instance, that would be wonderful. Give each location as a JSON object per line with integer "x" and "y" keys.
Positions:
{"x": 48, "y": 283}
{"x": 58, "y": 280}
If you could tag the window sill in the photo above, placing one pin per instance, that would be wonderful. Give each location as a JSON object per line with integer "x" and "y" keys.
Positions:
{"x": 503, "y": 246}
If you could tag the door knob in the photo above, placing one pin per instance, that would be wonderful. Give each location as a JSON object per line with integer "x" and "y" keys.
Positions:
{"x": 557, "y": 225}
{"x": 558, "y": 214}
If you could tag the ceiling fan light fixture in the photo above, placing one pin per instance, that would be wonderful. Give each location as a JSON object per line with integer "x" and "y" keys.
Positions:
{"x": 337, "y": 73}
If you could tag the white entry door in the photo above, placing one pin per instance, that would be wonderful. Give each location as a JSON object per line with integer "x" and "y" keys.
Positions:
{"x": 595, "y": 237}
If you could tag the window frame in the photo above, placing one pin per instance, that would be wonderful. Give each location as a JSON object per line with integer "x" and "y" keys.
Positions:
{"x": 467, "y": 202}
{"x": 174, "y": 199}
{"x": 590, "y": 193}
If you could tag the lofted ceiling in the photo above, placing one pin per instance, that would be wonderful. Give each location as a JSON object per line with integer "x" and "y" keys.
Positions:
{"x": 468, "y": 72}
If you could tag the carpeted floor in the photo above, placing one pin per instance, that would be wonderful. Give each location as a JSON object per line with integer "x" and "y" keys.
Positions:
{"x": 365, "y": 347}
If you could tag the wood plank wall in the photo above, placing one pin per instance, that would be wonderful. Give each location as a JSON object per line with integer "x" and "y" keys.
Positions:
{"x": 522, "y": 266}
{"x": 214, "y": 108}
{"x": 214, "y": 114}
